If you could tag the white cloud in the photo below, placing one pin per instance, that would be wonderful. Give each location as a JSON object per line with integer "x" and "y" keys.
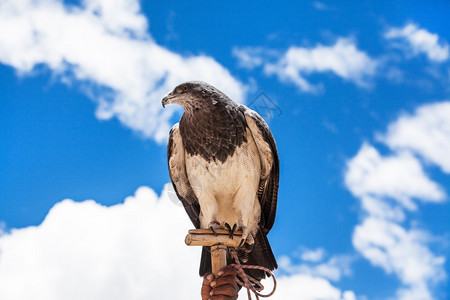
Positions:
{"x": 313, "y": 263}
{"x": 333, "y": 269}
{"x": 320, "y": 5}
{"x": 106, "y": 43}
{"x": 343, "y": 59}
{"x": 416, "y": 41}
{"x": 388, "y": 245}
{"x": 400, "y": 177}
{"x": 390, "y": 186}
{"x": 416, "y": 292}
{"x": 307, "y": 287}
{"x": 248, "y": 58}
{"x": 313, "y": 255}
{"x": 83, "y": 250}
{"x": 426, "y": 133}
{"x": 382, "y": 209}
{"x": 133, "y": 250}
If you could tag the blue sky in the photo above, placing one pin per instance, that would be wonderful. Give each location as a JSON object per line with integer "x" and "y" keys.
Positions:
{"x": 362, "y": 123}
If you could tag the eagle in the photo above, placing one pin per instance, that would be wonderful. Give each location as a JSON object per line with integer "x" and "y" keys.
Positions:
{"x": 224, "y": 167}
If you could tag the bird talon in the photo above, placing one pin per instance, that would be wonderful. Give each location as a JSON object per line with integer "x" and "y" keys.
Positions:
{"x": 213, "y": 230}
{"x": 231, "y": 230}
{"x": 213, "y": 225}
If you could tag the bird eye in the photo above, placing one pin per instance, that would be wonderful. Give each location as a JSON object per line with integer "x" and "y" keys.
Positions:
{"x": 184, "y": 88}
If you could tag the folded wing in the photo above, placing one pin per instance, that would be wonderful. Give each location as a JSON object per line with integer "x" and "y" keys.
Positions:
{"x": 179, "y": 178}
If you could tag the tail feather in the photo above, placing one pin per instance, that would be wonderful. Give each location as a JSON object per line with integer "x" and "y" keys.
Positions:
{"x": 205, "y": 261}
{"x": 261, "y": 255}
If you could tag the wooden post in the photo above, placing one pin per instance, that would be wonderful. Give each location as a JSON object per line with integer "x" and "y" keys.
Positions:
{"x": 218, "y": 244}
{"x": 218, "y": 258}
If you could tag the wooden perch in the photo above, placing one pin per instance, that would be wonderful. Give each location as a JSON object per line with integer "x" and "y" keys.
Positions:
{"x": 218, "y": 244}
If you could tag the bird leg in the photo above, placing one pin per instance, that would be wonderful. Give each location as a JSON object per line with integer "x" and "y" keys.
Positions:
{"x": 231, "y": 230}
{"x": 246, "y": 237}
{"x": 213, "y": 225}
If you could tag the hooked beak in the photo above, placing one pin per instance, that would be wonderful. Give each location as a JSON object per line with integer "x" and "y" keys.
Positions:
{"x": 166, "y": 99}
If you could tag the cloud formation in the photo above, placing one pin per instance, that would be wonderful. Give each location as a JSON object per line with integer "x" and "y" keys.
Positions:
{"x": 425, "y": 133}
{"x": 83, "y": 250}
{"x": 105, "y": 44}
{"x": 307, "y": 287}
{"x": 415, "y": 41}
{"x": 342, "y": 59}
{"x": 314, "y": 264}
{"x": 399, "y": 177}
{"x": 389, "y": 187}
{"x": 320, "y": 5}
{"x": 132, "y": 250}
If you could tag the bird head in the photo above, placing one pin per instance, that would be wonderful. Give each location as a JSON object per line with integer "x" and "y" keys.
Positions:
{"x": 193, "y": 94}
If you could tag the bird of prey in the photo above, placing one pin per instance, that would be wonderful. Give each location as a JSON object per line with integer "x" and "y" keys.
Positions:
{"x": 224, "y": 167}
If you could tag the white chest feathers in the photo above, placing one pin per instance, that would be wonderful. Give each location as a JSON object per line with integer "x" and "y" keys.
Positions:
{"x": 227, "y": 192}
